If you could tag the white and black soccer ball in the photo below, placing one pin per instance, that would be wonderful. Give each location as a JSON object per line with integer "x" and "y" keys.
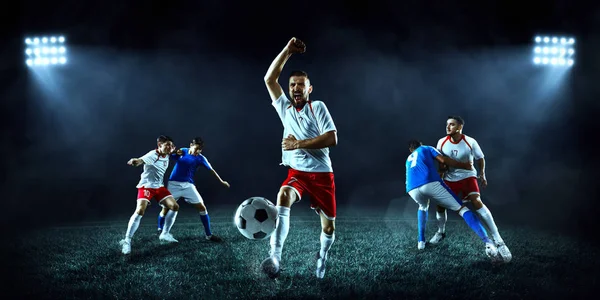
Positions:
{"x": 256, "y": 218}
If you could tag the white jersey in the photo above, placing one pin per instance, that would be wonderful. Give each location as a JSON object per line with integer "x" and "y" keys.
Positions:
{"x": 313, "y": 120}
{"x": 467, "y": 149}
{"x": 155, "y": 167}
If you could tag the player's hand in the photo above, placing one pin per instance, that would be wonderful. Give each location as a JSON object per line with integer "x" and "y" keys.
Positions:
{"x": 443, "y": 167}
{"x": 483, "y": 180}
{"x": 226, "y": 184}
{"x": 134, "y": 162}
{"x": 296, "y": 46}
{"x": 179, "y": 152}
{"x": 289, "y": 143}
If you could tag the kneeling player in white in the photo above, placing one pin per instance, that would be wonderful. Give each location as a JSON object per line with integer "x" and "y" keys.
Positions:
{"x": 464, "y": 182}
{"x": 151, "y": 187}
{"x": 423, "y": 183}
{"x": 181, "y": 183}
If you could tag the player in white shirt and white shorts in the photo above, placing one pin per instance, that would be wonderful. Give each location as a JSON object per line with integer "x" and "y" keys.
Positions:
{"x": 308, "y": 133}
{"x": 463, "y": 148}
{"x": 150, "y": 187}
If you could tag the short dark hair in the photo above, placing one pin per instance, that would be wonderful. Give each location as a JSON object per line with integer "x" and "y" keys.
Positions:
{"x": 414, "y": 144}
{"x": 458, "y": 119}
{"x": 164, "y": 139}
{"x": 299, "y": 73}
{"x": 198, "y": 141}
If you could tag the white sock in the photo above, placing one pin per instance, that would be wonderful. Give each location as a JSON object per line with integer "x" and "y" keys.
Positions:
{"x": 326, "y": 242}
{"x": 134, "y": 223}
{"x": 281, "y": 231}
{"x": 486, "y": 216}
{"x": 169, "y": 220}
{"x": 441, "y": 219}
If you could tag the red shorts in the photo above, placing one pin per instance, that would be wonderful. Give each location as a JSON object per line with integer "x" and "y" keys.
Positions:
{"x": 158, "y": 194}
{"x": 464, "y": 188}
{"x": 320, "y": 186}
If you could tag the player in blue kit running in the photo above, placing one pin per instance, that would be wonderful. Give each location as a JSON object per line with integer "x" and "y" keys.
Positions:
{"x": 424, "y": 183}
{"x": 181, "y": 183}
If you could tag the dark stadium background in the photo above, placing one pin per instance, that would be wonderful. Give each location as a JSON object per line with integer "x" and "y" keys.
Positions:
{"x": 388, "y": 72}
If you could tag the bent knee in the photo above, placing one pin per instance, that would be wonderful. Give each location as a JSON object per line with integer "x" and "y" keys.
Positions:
{"x": 286, "y": 196}
{"x": 201, "y": 207}
{"x": 329, "y": 229}
{"x": 141, "y": 207}
{"x": 171, "y": 204}
{"x": 475, "y": 200}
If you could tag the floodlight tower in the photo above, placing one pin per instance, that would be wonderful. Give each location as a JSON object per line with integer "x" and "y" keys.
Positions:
{"x": 554, "y": 51}
{"x": 45, "y": 51}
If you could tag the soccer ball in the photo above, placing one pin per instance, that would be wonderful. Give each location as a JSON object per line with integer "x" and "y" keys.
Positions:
{"x": 256, "y": 218}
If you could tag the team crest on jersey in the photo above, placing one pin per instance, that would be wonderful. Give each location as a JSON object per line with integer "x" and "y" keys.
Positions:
{"x": 165, "y": 163}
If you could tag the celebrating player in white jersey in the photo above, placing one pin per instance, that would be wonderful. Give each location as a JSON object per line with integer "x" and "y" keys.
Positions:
{"x": 151, "y": 186}
{"x": 465, "y": 148}
{"x": 308, "y": 133}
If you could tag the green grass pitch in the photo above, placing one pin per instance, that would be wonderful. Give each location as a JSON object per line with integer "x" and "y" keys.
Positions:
{"x": 372, "y": 257}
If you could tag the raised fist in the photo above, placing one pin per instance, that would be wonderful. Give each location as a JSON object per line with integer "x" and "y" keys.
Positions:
{"x": 296, "y": 46}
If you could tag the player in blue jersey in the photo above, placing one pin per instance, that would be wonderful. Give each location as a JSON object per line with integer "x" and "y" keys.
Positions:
{"x": 424, "y": 183}
{"x": 181, "y": 183}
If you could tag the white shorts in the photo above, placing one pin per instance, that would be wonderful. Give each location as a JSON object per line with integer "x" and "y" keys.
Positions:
{"x": 185, "y": 190}
{"x": 437, "y": 191}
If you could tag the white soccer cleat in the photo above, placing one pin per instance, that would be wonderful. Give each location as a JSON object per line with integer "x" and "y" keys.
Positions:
{"x": 167, "y": 237}
{"x": 321, "y": 265}
{"x": 438, "y": 237}
{"x": 504, "y": 252}
{"x": 421, "y": 245}
{"x": 126, "y": 249}
{"x": 270, "y": 266}
{"x": 492, "y": 252}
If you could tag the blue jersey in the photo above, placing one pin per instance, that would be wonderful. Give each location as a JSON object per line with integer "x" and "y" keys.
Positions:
{"x": 186, "y": 166}
{"x": 420, "y": 167}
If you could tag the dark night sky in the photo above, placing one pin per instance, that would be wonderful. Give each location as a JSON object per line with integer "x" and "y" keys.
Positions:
{"x": 388, "y": 72}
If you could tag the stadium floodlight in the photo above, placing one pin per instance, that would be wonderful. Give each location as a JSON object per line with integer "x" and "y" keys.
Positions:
{"x": 555, "y": 51}
{"x": 45, "y": 51}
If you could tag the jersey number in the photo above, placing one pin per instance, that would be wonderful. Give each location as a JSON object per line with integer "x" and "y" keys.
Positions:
{"x": 413, "y": 159}
{"x": 455, "y": 153}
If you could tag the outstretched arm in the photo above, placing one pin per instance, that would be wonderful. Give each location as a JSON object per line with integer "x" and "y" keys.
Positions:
{"x": 136, "y": 162}
{"x": 148, "y": 158}
{"x": 272, "y": 76}
{"x": 225, "y": 183}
